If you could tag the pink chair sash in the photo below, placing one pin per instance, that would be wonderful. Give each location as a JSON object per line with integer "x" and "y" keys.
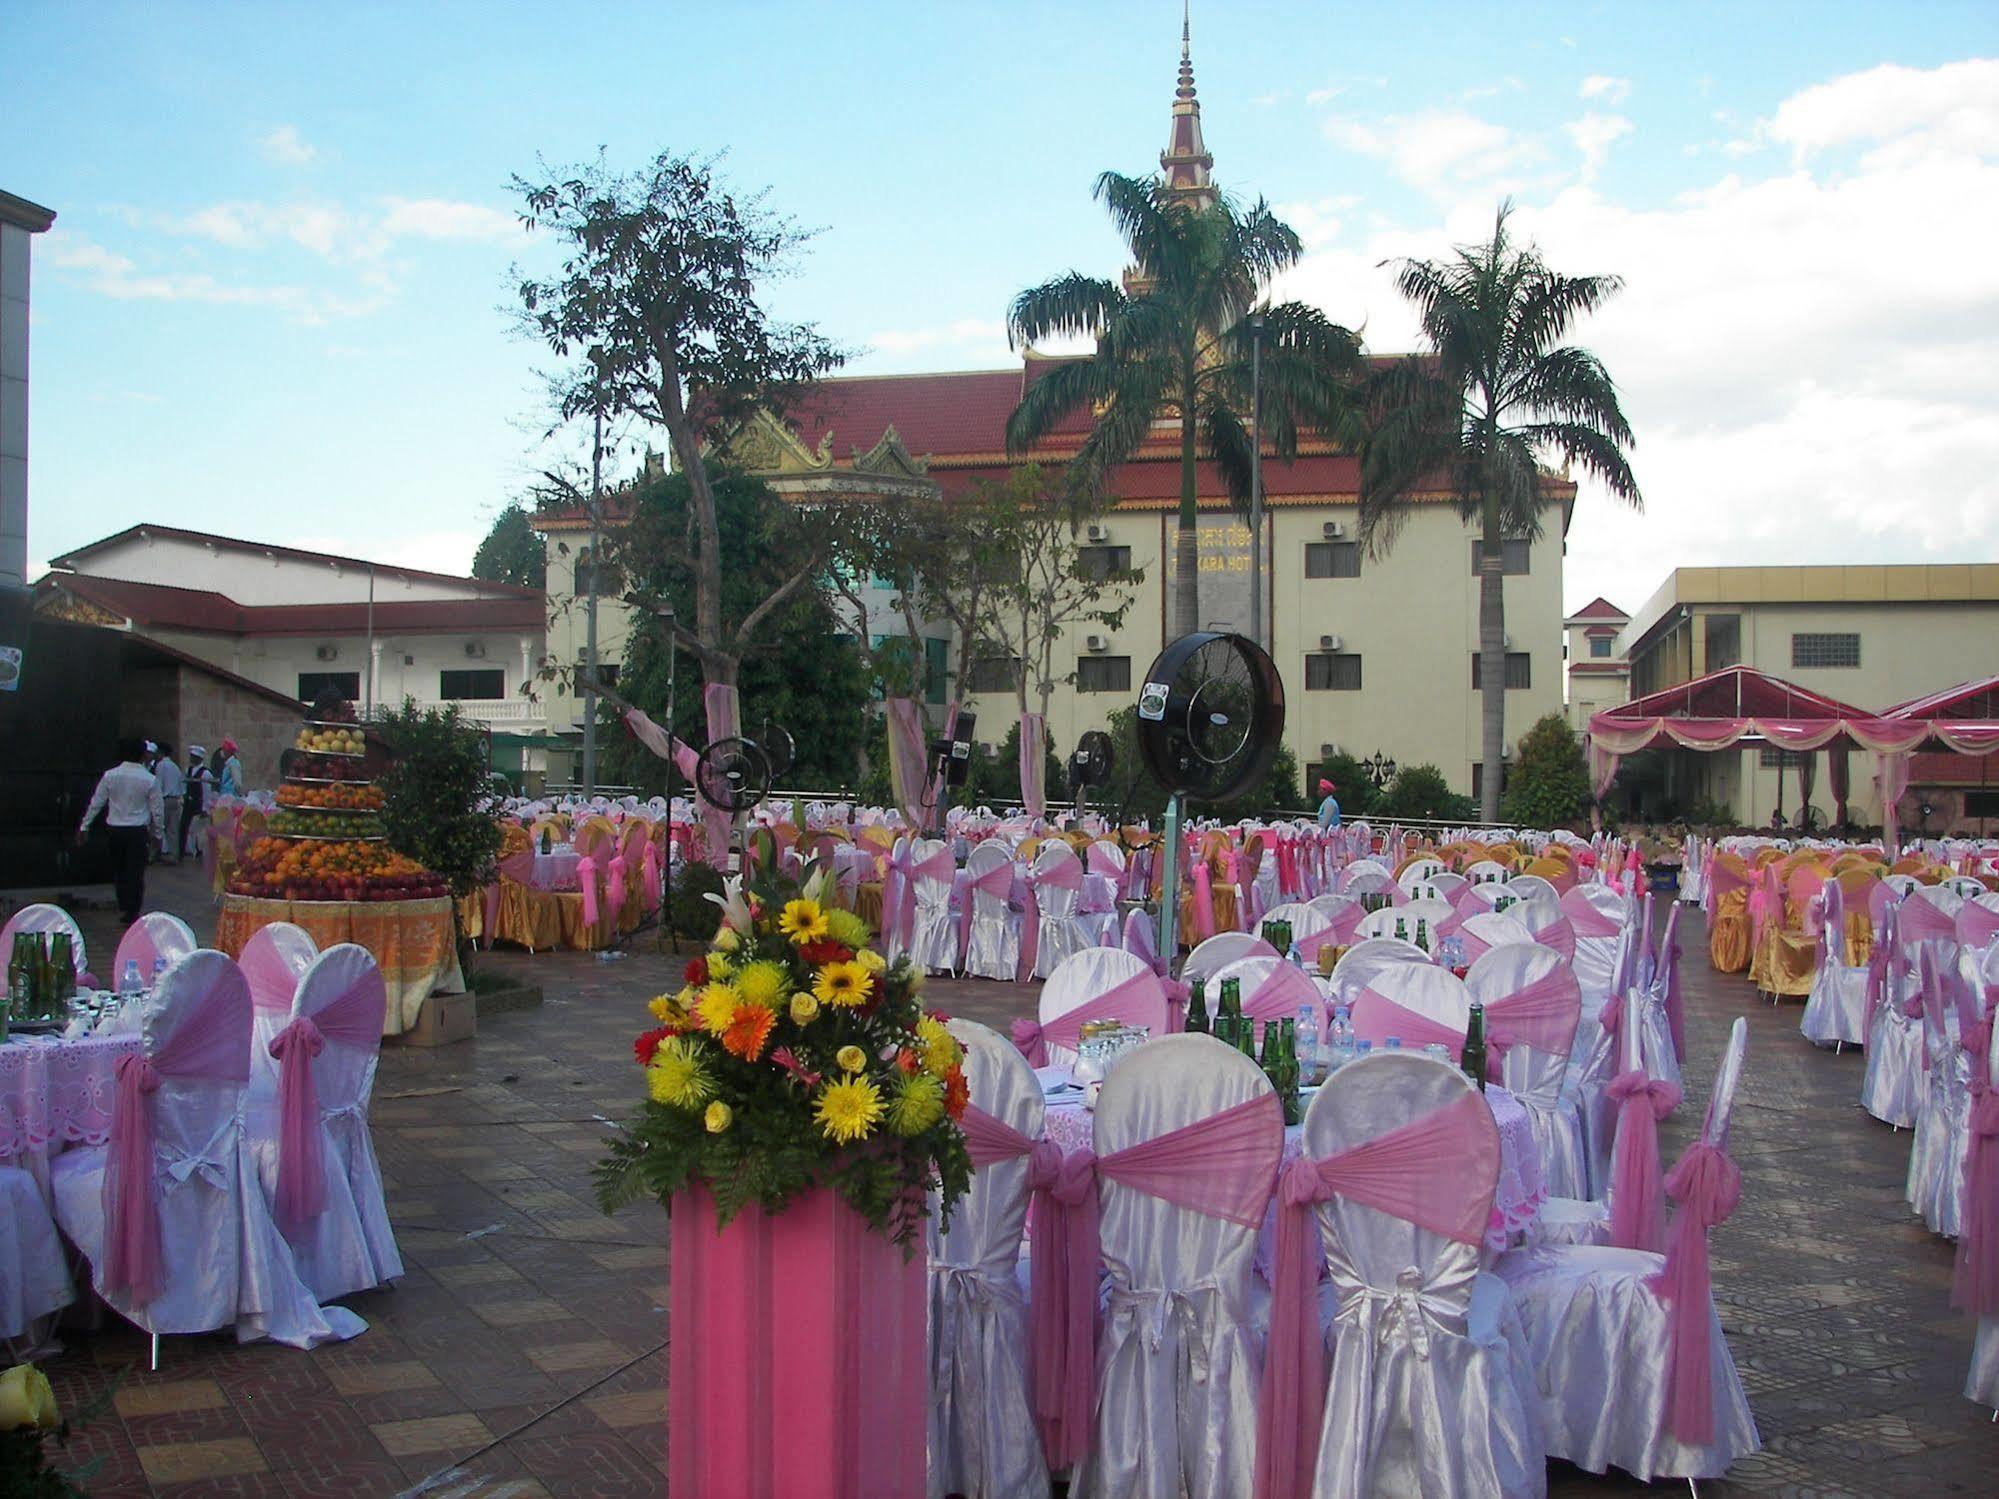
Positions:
{"x": 1282, "y": 994}
{"x": 1976, "y": 924}
{"x": 1377, "y": 1017}
{"x": 1974, "y": 1285}
{"x": 1882, "y": 961}
{"x": 212, "y": 1042}
{"x": 1923, "y": 921}
{"x": 1066, "y": 875}
{"x": 352, "y": 1020}
{"x": 1560, "y": 935}
{"x": 995, "y": 881}
{"x": 1435, "y": 1172}
{"x": 1587, "y": 921}
{"x": 586, "y": 881}
{"x": 1138, "y": 942}
{"x": 1637, "y": 1203}
{"x": 1340, "y": 933}
{"x": 1707, "y": 1185}
{"x": 1204, "y": 901}
{"x": 1139, "y": 1000}
{"x": 1541, "y": 1016}
{"x": 614, "y": 888}
{"x": 905, "y": 872}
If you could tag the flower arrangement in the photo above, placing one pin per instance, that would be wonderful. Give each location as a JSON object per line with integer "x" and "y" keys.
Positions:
{"x": 794, "y": 1057}
{"x": 28, "y": 1416}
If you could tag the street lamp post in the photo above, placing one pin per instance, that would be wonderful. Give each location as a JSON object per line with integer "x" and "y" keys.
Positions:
{"x": 1256, "y": 480}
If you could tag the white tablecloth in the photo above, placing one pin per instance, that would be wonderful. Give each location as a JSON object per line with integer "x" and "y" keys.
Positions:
{"x": 554, "y": 870}
{"x": 56, "y": 1093}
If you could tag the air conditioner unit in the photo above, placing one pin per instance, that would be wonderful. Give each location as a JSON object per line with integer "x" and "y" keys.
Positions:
{"x": 409, "y": 660}
{"x": 1506, "y": 752}
{"x": 1100, "y": 533}
{"x": 1333, "y": 530}
{"x": 1327, "y": 751}
{"x": 328, "y": 653}
{"x": 1098, "y": 642}
{"x": 1330, "y": 642}
{"x": 475, "y": 648}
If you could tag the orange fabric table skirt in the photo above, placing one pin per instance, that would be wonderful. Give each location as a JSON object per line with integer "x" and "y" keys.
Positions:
{"x": 546, "y": 920}
{"x": 414, "y": 941}
{"x": 1785, "y": 962}
{"x": 1728, "y": 933}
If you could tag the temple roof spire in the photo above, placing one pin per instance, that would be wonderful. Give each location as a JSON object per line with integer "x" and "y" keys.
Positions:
{"x": 1185, "y": 163}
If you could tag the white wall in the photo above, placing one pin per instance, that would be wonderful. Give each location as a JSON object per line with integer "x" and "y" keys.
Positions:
{"x": 264, "y": 578}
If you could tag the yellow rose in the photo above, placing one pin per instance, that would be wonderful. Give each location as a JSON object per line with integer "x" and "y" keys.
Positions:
{"x": 726, "y": 940}
{"x": 27, "y": 1400}
{"x": 804, "y": 1008}
{"x": 719, "y": 967}
{"x": 851, "y": 1058}
{"x": 719, "y": 1117}
{"x": 871, "y": 960}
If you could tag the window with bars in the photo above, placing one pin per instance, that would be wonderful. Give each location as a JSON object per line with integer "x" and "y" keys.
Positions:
{"x": 995, "y": 674}
{"x": 1513, "y": 556}
{"x": 1332, "y": 559}
{"x": 1332, "y": 671}
{"x": 1824, "y": 650}
{"x": 1102, "y": 562}
{"x": 1103, "y": 673}
{"x": 481, "y": 685}
{"x": 317, "y": 686}
{"x": 1519, "y": 671}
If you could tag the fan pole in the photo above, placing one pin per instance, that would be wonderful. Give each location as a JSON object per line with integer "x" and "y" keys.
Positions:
{"x": 1169, "y": 888}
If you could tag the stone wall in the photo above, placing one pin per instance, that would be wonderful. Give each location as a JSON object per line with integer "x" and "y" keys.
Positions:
{"x": 211, "y": 710}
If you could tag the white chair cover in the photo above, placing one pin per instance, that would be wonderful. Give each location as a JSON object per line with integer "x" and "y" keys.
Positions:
{"x": 1982, "y": 1383}
{"x": 1535, "y": 1076}
{"x": 1435, "y": 994}
{"x": 1447, "y": 887}
{"x": 1179, "y": 1357}
{"x": 273, "y": 961}
{"x": 1370, "y": 879}
{"x": 1598, "y": 957}
{"x": 153, "y": 936}
{"x": 1305, "y": 919}
{"x": 1210, "y": 957}
{"x": 41, "y": 917}
{"x": 1891, "y": 1088}
{"x": 1080, "y": 979}
{"x": 1935, "y": 1186}
{"x": 1490, "y": 929}
{"x": 1430, "y": 1392}
{"x": 1364, "y": 960}
{"x": 1837, "y": 1005}
{"x": 1599, "y": 1337}
{"x": 34, "y": 1278}
{"x": 1062, "y": 933}
{"x": 993, "y": 950}
{"x": 223, "y": 1259}
{"x": 349, "y": 1246}
{"x": 983, "y": 1439}
{"x": 1418, "y": 872}
{"x": 1360, "y": 871}
{"x": 1485, "y": 872}
{"x": 934, "y": 944}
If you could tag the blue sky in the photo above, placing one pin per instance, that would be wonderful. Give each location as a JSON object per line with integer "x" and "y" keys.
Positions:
{"x": 276, "y": 299}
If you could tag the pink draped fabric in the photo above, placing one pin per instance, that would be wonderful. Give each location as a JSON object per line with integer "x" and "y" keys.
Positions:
{"x": 723, "y": 711}
{"x": 1139, "y": 1000}
{"x": 1560, "y": 935}
{"x": 1923, "y": 920}
{"x": 1637, "y": 1206}
{"x": 352, "y": 1020}
{"x": 1435, "y": 1172}
{"x": 1974, "y": 1285}
{"x": 1585, "y": 920}
{"x": 1138, "y": 942}
{"x": 1891, "y": 776}
{"x": 934, "y": 788}
{"x": 1282, "y": 994}
{"x": 586, "y": 881}
{"x": 1204, "y": 901}
{"x": 1976, "y": 924}
{"x": 650, "y": 869}
{"x": 614, "y": 887}
{"x": 906, "y": 759}
{"x": 997, "y": 881}
{"x": 1066, "y": 875}
{"x": 212, "y": 1041}
{"x": 1542, "y": 1017}
{"x": 661, "y": 743}
{"x": 1707, "y": 1185}
{"x": 1376, "y": 1018}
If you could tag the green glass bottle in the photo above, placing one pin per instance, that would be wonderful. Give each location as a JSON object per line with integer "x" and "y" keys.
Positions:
{"x": 1245, "y": 1036}
{"x": 1232, "y": 998}
{"x": 1423, "y": 933}
{"x": 1197, "y": 1007}
{"x": 1473, "y": 1056}
{"x": 1287, "y": 1071}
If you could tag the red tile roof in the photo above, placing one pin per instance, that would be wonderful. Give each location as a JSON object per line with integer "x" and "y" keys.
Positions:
{"x": 238, "y": 544}
{"x": 1599, "y": 608}
{"x": 164, "y": 607}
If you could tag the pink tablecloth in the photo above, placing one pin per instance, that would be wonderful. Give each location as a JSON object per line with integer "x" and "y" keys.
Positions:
{"x": 554, "y": 870}
{"x": 56, "y": 1093}
{"x": 1516, "y": 1201}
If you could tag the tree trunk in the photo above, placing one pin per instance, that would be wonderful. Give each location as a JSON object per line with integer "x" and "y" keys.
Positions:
{"x": 1186, "y": 540}
{"x": 1492, "y": 661}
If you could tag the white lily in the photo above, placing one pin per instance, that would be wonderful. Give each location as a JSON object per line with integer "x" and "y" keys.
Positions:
{"x": 819, "y": 884}
{"x": 735, "y": 909}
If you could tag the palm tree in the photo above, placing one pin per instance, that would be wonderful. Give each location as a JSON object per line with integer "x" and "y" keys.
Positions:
{"x": 1495, "y": 394}
{"x": 1174, "y": 344}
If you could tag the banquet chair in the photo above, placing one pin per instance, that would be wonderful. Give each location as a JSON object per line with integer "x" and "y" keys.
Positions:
{"x": 1055, "y": 882}
{"x": 314, "y": 1151}
{"x": 34, "y": 1277}
{"x": 1343, "y": 911}
{"x": 169, "y": 1213}
{"x": 1488, "y": 930}
{"x": 273, "y": 961}
{"x": 1633, "y": 1365}
{"x": 1416, "y": 1004}
{"x": 1982, "y": 1383}
{"x": 1389, "y": 922}
{"x": 1485, "y": 872}
{"x": 1532, "y": 1005}
{"x": 1210, "y": 957}
{"x": 1601, "y": 920}
{"x": 1367, "y": 958}
{"x": 1360, "y": 869}
{"x": 983, "y": 1440}
{"x": 1430, "y": 1390}
{"x": 1372, "y": 880}
{"x": 1098, "y": 983}
{"x": 991, "y": 927}
{"x": 1891, "y": 1085}
{"x": 1273, "y": 989}
{"x": 47, "y": 919}
{"x": 1977, "y": 924}
{"x": 1418, "y": 872}
{"x": 1179, "y": 1356}
{"x": 155, "y": 937}
{"x": 1310, "y": 928}
{"x": 933, "y": 941}
{"x": 1837, "y": 1005}
{"x": 1446, "y": 886}
{"x": 1951, "y": 1011}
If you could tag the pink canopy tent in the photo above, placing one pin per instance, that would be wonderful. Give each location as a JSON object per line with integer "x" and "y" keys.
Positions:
{"x": 1964, "y": 718}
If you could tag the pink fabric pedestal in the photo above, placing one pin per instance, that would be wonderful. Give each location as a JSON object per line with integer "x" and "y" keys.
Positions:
{"x": 796, "y": 1364}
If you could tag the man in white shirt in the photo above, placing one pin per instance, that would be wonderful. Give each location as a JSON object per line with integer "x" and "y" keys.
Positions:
{"x": 172, "y": 785}
{"x": 129, "y": 798}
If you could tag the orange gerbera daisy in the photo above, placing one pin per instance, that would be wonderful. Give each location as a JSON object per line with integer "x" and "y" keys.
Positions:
{"x": 748, "y": 1032}
{"x": 957, "y": 1093}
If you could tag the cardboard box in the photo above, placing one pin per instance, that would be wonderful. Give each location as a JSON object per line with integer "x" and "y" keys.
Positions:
{"x": 443, "y": 1019}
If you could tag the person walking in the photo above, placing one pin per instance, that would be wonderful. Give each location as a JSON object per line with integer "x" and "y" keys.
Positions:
{"x": 1329, "y": 809}
{"x": 228, "y": 770}
{"x": 173, "y": 785}
{"x": 129, "y": 798}
{"x": 195, "y": 801}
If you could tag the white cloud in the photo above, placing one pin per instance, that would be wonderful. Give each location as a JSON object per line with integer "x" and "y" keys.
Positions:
{"x": 1601, "y": 86}
{"x": 285, "y": 147}
{"x": 337, "y": 233}
{"x": 1441, "y": 151}
{"x": 1593, "y": 135}
{"x": 117, "y": 276}
{"x": 1954, "y": 108}
{"x": 442, "y": 218}
{"x": 1325, "y": 95}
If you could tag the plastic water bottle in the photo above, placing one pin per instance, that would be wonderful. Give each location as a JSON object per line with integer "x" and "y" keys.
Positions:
{"x": 130, "y": 986}
{"x": 1391, "y": 1043}
{"x": 1362, "y": 1047}
{"x": 1294, "y": 957}
{"x": 1340, "y": 1039}
{"x": 1308, "y": 1039}
{"x": 159, "y": 971}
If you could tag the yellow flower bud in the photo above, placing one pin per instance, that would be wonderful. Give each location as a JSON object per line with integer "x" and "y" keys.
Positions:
{"x": 726, "y": 940}
{"x": 804, "y": 1008}
{"x": 851, "y": 1058}
{"x": 27, "y": 1400}
{"x": 719, "y": 1117}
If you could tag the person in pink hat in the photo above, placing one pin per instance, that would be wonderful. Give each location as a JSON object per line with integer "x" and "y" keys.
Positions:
{"x": 228, "y": 769}
{"x": 1329, "y": 808}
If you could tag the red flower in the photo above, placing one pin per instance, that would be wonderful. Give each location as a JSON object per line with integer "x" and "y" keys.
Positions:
{"x": 909, "y": 1061}
{"x": 825, "y": 951}
{"x": 784, "y": 1058}
{"x": 648, "y": 1043}
{"x": 957, "y": 1092}
{"x": 696, "y": 972}
{"x": 748, "y": 1033}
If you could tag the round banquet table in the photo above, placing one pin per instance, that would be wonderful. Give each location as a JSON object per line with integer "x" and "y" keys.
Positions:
{"x": 555, "y": 870}
{"x": 414, "y": 941}
{"x": 1516, "y": 1199}
{"x": 56, "y": 1093}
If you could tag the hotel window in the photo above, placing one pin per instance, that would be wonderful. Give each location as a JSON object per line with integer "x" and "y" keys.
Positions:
{"x": 1599, "y": 646}
{"x": 1519, "y": 671}
{"x": 1103, "y": 673}
{"x": 1102, "y": 562}
{"x": 478, "y": 686}
{"x": 313, "y": 686}
{"x": 1513, "y": 556}
{"x": 1332, "y": 559}
{"x": 1332, "y": 671}
{"x": 995, "y": 674}
{"x": 1825, "y": 650}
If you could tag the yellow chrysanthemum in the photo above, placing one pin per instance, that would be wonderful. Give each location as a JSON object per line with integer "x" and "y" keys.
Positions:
{"x": 804, "y": 1009}
{"x": 842, "y": 984}
{"x": 851, "y": 1058}
{"x": 718, "y": 1118}
{"x": 802, "y": 921}
{"x": 847, "y": 929}
{"x": 941, "y": 1051}
{"x": 848, "y": 1110}
{"x": 918, "y": 1103}
{"x": 718, "y": 1007}
{"x": 763, "y": 983}
{"x": 678, "y": 1074}
{"x": 719, "y": 966}
{"x": 666, "y": 1009}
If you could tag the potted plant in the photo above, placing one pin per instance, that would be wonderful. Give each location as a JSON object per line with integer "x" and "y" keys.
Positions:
{"x": 800, "y": 1115}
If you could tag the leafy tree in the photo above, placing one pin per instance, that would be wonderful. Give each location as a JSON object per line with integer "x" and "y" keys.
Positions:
{"x": 1495, "y": 394}
{"x": 435, "y": 796}
{"x": 513, "y": 551}
{"x": 1549, "y": 783}
{"x": 1422, "y": 791}
{"x": 1351, "y": 784}
{"x": 1174, "y": 343}
{"x": 655, "y": 310}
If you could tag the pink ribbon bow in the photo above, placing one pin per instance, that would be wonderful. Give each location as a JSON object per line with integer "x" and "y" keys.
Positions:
{"x": 131, "y": 1219}
{"x": 301, "y": 1195}
{"x": 1067, "y": 874}
{"x": 1707, "y": 1185}
{"x": 586, "y": 881}
{"x": 1637, "y": 1206}
{"x": 1063, "y": 1297}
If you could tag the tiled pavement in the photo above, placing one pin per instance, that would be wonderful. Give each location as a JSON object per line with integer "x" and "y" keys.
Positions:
{"x": 524, "y": 1352}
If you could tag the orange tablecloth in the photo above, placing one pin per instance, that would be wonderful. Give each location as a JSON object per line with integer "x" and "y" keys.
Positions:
{"x": 1728, "y": 933}
{"x": 545, "y": 920}
{"x": 411, "y": 939}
